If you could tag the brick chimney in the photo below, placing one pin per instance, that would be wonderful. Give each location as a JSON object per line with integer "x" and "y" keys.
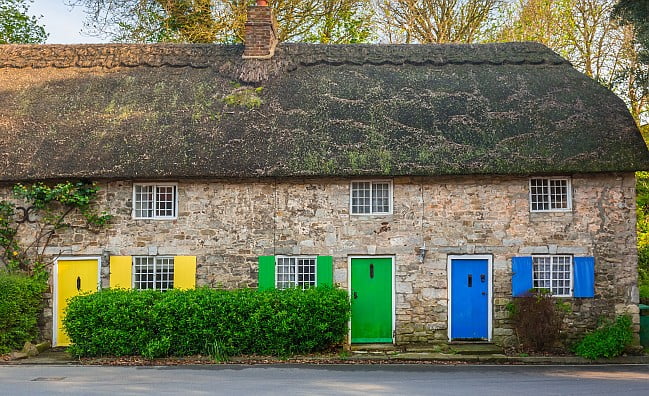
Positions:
{"x": 261, "y": 32}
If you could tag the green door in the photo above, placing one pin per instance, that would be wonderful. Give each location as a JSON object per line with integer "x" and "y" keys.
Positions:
{"x": 371, "y": 300}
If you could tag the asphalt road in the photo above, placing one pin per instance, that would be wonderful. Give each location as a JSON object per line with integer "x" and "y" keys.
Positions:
{"x": 326, "y": 380}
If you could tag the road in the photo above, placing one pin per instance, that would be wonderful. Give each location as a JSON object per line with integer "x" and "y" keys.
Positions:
{"x": 364, "y": 380}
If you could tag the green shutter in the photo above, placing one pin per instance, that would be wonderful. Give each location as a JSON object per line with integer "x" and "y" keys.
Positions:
{"x": 266, "y": 272}
{"x": 325, "y": 271}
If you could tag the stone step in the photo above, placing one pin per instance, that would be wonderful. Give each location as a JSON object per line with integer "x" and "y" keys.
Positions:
{"x": 475, "y": 348}
{"x": 373, "y": 348}
{"x": 460, "y": 348}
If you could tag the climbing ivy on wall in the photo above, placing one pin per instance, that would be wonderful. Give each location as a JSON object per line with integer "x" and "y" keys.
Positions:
{"x": 31, "y": 220}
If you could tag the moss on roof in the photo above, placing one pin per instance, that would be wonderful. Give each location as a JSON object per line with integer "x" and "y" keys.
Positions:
{"x": 175, "y": 111}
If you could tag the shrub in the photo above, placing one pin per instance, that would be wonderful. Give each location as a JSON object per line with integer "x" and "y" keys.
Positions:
{"x": 204, "y": 321}
{"x": 110, "y": 322}
{"x": 608, "y": 340}
{"x": 538, "y": 319}
{"x": 644, "y": 293}
{"x": 21, "y": 301}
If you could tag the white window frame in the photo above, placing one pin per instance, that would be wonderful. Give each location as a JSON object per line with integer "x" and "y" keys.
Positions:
{"x": 372, "y": 182}
{"x": 134, "y": 285}
{"x": 296, "y": 282}
{"x": 155, "y": 194}
{"x": 568, "y": 207}
{"x": 552, "y": 273}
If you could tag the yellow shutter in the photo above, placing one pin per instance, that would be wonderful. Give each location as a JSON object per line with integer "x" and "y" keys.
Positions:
{"x": 121, "y": 268}
{"x": 184, "y": 272}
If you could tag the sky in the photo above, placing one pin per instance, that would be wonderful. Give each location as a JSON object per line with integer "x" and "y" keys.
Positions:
{"x": 62, "y": 22}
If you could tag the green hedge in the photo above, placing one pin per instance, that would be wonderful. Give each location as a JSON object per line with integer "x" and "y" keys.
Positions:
{"x": 609, "y": 340}
{"x": 21, "y": 301}
{"x": 206, "y": 321}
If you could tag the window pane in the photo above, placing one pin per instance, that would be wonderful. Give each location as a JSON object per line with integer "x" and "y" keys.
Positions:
{"x": 164, "y": 273}
{"x": 561, "y": 275}
{"x": 559, "y": 194}
{"x": 361, "y": 194}
{"x": 165, "y": 201}
{"x": 381, "y": 198}
{"x": 538, "y": 194}
{"x": 306, "y": 268}
{"x": 542, "y": 276}
{"x": 143, "y": 204}
{"x": 285, "y": 270}
{"x": 143, "y": 273}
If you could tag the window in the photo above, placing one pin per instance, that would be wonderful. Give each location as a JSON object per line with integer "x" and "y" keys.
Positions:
{"x": 153, "y": 273}
{"x": 295, "y": 272}
{"x": 556, "y": 273}
{"x": 153, "y": 201}
{"x": 371, "y": 197}
{"x": 279, "y": 272}
{"x": 553, "y": 273}
{"x": 548, "y": 195}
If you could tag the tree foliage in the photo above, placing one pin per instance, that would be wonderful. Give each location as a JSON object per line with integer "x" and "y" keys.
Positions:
{"x": 17, "y": 26}
{"x": 583, "y": 32}
{"x": 636, "y": 13}
{"x": 223, "y": 21}
{"x": 436, "y": 21}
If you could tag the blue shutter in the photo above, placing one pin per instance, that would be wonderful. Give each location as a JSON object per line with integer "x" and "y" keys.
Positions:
{"x": 325, "y": 270}
{"x": 521, "y": 275}
{"x": 584, "y": 276}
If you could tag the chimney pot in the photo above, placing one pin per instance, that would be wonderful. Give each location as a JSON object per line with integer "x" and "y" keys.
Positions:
{"x": 262, "y": 3}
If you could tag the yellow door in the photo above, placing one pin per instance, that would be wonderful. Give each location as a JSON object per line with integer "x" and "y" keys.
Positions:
{"x": 74, "y": 277}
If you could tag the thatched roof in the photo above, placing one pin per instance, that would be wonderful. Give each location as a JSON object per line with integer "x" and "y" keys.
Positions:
{"x": 177, "y": 111}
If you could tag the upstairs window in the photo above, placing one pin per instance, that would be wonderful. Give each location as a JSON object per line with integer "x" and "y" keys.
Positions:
{"x": 155, "y": 201}
{"x": 550, "y": 194}
{"x": 152, "y": 272}
{"x": 553, "y": 273}
{"x": 371, "y": 197}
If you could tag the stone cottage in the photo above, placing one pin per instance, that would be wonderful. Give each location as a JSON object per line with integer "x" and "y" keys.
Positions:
{"x": 433, "y": 182}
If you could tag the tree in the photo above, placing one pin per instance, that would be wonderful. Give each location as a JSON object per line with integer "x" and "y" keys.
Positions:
{"x": 223, "y": 21}
{"x": 541, "y": 21}
{"x": 343, "y": 22}
{"x": 436, "y": 21}
{"x": 579, "y": 30}
{"x": 583, "y": 32}
{"x": 636, "y": 13}
{"x": 16, "y": 26}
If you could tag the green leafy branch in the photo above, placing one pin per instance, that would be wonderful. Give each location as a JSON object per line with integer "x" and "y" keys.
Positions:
{"x": 46, "y": 210}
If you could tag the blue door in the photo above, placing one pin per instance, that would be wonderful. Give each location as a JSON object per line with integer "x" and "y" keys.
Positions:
{"x": 469, "y": 299}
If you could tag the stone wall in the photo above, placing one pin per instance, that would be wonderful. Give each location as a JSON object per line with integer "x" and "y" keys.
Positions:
{"x": 227, "y": 224}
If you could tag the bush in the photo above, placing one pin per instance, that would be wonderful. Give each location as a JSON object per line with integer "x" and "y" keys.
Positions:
{"x": 538, "y": 319}
{"x": 21, "y": 302}
{"x": 644, "y": 293}
{"x": 205, "y": 321}
{"x": 609, "y": 340}
{"x": 114, "y": 322}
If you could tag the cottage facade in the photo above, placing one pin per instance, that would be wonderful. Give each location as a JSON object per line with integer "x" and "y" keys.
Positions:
{"x": 432, "y": 182}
